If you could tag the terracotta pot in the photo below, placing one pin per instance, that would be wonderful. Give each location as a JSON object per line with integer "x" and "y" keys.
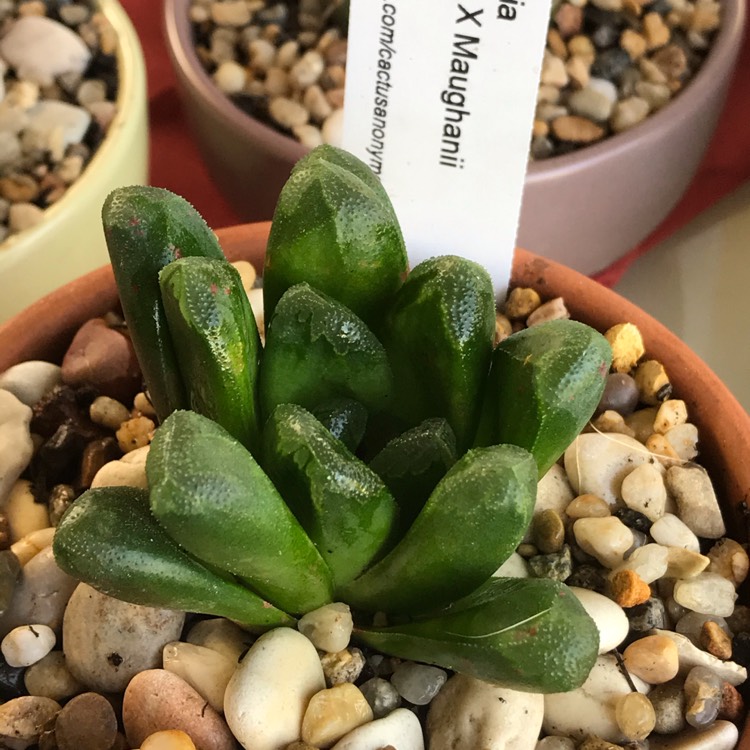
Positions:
{"x": 43, "y": 331}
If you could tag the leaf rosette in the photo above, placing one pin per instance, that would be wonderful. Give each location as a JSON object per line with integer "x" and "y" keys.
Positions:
{"x": 378, "y": 450}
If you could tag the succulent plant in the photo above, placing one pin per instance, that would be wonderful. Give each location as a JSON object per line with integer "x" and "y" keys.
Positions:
{"x": 377, "y": 451}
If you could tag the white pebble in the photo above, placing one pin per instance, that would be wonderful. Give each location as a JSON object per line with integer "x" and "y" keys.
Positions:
{"x": 650, "y": 562}
{"x": 23, "y": 216}
{"x": 27, "y": 644}
{"x": 707, "y": 593}
{"x": 609, "y": 617}
{"x": 721, "y": 735}
{"x": 670, "y": 531}
{"x": 514, "y": 567}
{"x": 287, "y": 113}
{"x": 128, "y": 471}
{"x": 400, "y": 729}
{"x": 597, "y": 463}
{"x": 607, "y": 539}
{"x": 108, "y": 412}
{"x": 684, "y": 440}
{"x": 29, "y": 381}
{"x": 469, "y": 714}
{"x": 230, "y": 77}
{"x": 590, "y": 709}
{"x": 306, "y": 71}
{"x": 329, "y": 628}
{"x": 643, "y": 490}
{"x": 333, "y": 128}
{"x": 308, "y": 135}
{"x": 288, "y": 667}
{"x": 40, "y": 49}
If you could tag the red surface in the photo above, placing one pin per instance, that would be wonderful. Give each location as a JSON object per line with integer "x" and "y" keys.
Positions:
{"x": 177, "y": 165}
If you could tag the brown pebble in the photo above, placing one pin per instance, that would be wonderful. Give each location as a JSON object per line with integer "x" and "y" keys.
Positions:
{"x": 633, "y": 43}
{"x": 576, "y": 129}
{"x": 335, "y": 53}
{"x": 548, "y": 532}
{"x": 556, "y": 44}
{"x": 568, "y": 19}
{"x": 102, "y": 357}
{"x": 729, "y": 559}
{"x": 732, "y": 706}
{"x": 95, "y": 455}
{"x": 503, "y": 328}
{"x": 300, "y": 745}
{"x": 655, "y": 30}
{"x": 629, "y": 589}
{"x": 179, "y": 707}
{"x": 715, "y": 640}
{"x": 671, "y": 60}
{"x": 87, "y": 722}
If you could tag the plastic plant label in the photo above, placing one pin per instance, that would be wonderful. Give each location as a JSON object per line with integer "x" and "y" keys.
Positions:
{"x": 439, "y": 103}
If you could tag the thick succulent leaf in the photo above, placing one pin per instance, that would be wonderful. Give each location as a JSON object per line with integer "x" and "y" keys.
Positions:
{"x": 545, "y": 384}
{"x": 335, "y": 228}
{"x": 345, "y": 419}
{"x": 471, "y": 523}
{"x": 414, "y": 462}
{"x": 342, "y": 504}
{"x": 214, "y": 500}
{"x": 438, "y": 335}
{"x": 316, "y": 350}
{"x": 524, "y": 633}
{"x": 146, "y": 228}
{"x": 216, "y": 339}
{"x": 109, "y": 539}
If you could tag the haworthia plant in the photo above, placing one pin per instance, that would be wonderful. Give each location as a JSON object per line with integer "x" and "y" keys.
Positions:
{"x": 336, "y": 464}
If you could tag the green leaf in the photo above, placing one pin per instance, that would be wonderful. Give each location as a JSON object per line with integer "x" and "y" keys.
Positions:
{"x": 335, "y": 228}
{"x": 214, "y": 500}
{"x": 545, "y": 384}
{"x": 216, "y": 339}
{"x": 109, "y": 539}
{"x": 414, "y": 462}
{"x": 345, "y": 419}
{"x": 438, "y": 335}
{"x": 343, "y": 506}
{"x": 316, "y": 350}
{"x": 146, "y": 228}
{"x": 473, "y": 520}
{"x": 524, "y": 633}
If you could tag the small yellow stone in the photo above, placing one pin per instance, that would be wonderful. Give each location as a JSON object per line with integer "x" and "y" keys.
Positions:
{"x": 168, "y": 739}
{"x": 671, "y": 413}
{"x": 334, "y": 712}
{"x": 135, "y": 433}
{"x": 657, "y": 32}
{"x": 521, "y": 302}
{"x": 627, "y": 346}
{"x": 503, "y": 328}
{"x": 556, "y": 44}
{"x": 633, "y": 43}
{"x": 583, "y": 47}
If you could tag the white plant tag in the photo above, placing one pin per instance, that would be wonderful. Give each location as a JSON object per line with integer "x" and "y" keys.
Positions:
{"x": 439, "y": 103}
